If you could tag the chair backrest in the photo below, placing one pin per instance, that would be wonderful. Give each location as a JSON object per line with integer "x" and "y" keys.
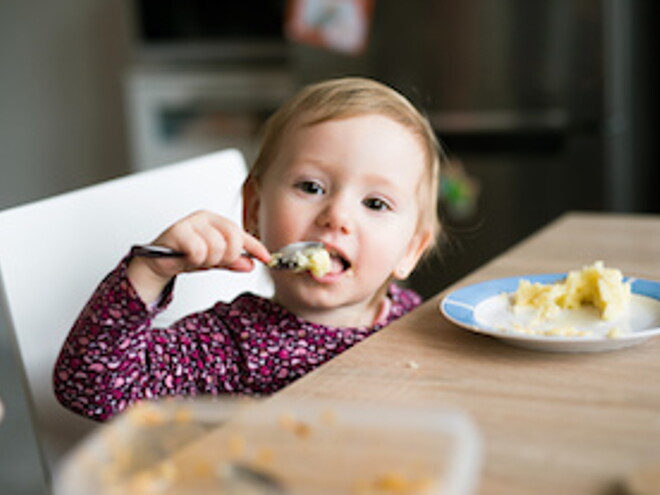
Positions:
{"x": 54, "y": 252}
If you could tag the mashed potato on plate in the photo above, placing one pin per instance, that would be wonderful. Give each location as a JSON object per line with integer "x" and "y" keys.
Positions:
{"x": 594, "y": 285}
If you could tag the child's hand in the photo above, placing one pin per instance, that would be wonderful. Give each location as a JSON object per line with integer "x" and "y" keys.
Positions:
{"x": 207, "y": 240}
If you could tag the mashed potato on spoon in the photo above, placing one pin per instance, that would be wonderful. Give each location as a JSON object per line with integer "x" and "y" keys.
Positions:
{"x": 314, "y": 259}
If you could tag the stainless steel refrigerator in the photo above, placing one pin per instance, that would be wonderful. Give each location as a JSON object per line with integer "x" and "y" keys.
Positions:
{"x": 527, "y": 94}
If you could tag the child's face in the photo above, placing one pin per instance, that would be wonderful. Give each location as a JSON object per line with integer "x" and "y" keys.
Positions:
{"x": 352, "y": 184}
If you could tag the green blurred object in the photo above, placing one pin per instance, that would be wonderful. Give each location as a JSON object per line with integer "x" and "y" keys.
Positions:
{"x": 459, "y": 191}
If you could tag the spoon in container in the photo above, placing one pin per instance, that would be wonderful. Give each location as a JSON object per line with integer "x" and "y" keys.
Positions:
{"x": 296, "y": 256}
{"x": 241, "y": 479}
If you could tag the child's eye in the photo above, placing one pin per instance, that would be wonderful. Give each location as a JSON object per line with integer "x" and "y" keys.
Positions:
{"x": 310, "y": 187}
{"x": 376, "y": 204}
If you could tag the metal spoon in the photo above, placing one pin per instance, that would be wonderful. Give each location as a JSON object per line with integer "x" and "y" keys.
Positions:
{"x": 285, "y": 258}
{"x": 242, "y": 479}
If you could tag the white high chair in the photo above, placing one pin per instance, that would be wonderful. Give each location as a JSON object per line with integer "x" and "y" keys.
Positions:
{"x": 54, "y": 252}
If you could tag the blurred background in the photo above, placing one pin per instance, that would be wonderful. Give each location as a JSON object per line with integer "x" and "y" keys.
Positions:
{"x": 542, "y": 107}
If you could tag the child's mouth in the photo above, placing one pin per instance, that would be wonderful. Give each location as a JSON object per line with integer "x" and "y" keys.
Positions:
{"x": 339, "y": 267}
{"x": 338, "y": 264}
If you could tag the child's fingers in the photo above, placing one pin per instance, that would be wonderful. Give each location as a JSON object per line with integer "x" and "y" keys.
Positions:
{"x": 218, "y": 246}
{"x": 239, "y": 241}
{"x": 226, "y": 240}
{"x": 234, "y": 243}
{"x": 242, "y": 264}
{"x": 254, "y": 247}
{"x": 211, "y": 241}
{"x": 205, "y": 238}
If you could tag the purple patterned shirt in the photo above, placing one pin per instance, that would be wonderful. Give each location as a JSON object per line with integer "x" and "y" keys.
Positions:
{"x": 113, "y": 357}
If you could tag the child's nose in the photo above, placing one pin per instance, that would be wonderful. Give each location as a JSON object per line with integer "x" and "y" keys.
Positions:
{"x": 336, "y": 216}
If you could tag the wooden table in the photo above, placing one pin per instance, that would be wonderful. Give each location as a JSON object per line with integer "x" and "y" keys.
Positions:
{"x": 550, "y": 423}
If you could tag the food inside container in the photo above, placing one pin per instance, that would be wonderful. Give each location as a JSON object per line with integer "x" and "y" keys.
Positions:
{"x": 277, "y": 446}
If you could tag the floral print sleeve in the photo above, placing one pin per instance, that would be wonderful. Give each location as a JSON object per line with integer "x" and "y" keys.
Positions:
{"x": 113, "y": 357}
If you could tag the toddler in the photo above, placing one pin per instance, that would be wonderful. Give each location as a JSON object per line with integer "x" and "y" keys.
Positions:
{"x": 347, "y": 162}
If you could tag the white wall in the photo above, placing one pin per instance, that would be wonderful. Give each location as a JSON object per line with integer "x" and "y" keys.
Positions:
{"x": 62, "y": 122}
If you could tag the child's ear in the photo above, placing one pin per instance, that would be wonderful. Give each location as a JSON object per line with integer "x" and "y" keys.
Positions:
{"x": 418, "y": 244}
{"x": 251, "y": 206}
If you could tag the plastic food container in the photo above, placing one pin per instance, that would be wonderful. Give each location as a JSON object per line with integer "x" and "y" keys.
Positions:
{"x": 277, "y": 446}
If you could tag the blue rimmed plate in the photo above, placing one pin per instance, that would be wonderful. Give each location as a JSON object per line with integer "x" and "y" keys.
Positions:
{"x": 485, "y": 308}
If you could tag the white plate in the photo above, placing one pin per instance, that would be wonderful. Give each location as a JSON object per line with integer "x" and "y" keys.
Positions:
{"x": 485, "y": 308}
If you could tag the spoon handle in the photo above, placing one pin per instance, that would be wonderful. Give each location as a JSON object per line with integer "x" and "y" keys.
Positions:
{"x": 153, "y": 251}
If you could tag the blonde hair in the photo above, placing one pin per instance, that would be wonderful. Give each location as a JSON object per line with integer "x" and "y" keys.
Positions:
{"x": 349, "y": 97}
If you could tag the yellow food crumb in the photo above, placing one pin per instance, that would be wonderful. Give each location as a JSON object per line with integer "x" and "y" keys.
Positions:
{"x": 413, "y": 365}
{"x": 329, "y": 417}
{"x": 296, "y": 426}
{"x": 614, "y": 333}
{"x": 236, "y": 445}
{"x": 147, "y": 415}
{"x": 566, "y": 331}
{"x": 594, "y": 285}
{"x": 183, "y": 415}
{"x": 394, "y": 483}
{"x": 167, "y": 470}
{"x": 202, "y": 469}
{"x": 147, "y": 483}
{"x": 265, "y": 456}
{"x": 156, "y": 480}
{"x": 303, "y": 430}
{"x": 286, "y": 420}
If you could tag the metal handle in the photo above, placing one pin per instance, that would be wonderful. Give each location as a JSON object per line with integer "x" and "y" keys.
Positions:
{"x": 153, "y": 251}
